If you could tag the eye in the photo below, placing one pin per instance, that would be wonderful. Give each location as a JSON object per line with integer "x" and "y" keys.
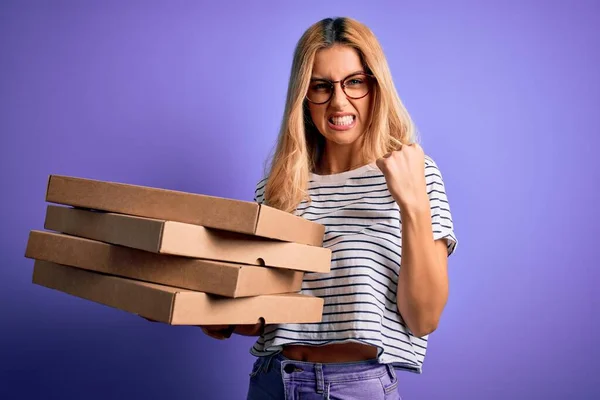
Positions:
{"x": 320, "y": 86}
{"x": 354, "y": 81}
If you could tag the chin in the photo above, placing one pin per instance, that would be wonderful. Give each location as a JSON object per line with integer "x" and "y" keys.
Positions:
{"x": 342, "y": 138}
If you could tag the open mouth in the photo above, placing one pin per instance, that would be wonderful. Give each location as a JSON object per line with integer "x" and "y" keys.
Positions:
{"x": 343, "y": 122}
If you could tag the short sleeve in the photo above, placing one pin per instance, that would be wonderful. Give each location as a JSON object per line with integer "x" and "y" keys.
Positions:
{"x": 441, "y": 216}
{"x": 259, "y": 191}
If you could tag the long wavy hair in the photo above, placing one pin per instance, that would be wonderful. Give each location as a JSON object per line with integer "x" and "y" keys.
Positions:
{"x": 300, "y": 144}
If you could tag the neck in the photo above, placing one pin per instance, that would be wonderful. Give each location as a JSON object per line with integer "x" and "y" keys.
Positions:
{"x": 340, "y": 158}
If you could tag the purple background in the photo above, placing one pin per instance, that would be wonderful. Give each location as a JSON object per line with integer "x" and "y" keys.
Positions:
{"x": 189, "y": 96}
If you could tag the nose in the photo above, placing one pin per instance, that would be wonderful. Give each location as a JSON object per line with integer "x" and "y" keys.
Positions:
{"x": 338, "y": 97}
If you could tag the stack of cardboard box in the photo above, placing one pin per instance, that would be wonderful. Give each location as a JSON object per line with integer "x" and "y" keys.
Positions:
{"x": 176, "y": 257}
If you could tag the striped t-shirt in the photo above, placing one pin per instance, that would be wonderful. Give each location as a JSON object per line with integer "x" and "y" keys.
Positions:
{"x": 364, "y": 231}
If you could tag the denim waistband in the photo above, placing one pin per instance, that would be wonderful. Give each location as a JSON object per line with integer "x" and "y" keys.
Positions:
{"x": 327, "y": 372}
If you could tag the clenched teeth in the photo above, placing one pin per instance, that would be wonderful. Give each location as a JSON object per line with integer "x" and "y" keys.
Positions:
{"x": 342, "y": 121}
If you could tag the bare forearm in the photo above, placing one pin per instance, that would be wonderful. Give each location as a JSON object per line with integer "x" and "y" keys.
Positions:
{"x": 423, "y": 282}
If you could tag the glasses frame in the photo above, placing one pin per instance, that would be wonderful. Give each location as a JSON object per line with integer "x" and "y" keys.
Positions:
{"x": 332, "y": 86}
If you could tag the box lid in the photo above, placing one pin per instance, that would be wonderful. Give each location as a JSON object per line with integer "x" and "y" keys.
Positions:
{"x": 198, "y": 209}
{"x": 226, "y": 279}
{"x": 176, "y": 306}
{"x": 177, "y": 238}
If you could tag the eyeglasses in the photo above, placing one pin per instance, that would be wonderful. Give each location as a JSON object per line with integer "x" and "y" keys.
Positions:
{"x": 355, "y": 86}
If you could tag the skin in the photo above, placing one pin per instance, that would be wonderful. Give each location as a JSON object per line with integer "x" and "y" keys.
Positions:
{"x": 342, "y": 148}
{"x": 423, "y": 281}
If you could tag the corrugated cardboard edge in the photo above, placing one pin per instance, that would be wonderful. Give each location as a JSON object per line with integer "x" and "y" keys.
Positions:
{"x": 305, "y": 231}
{"x": 175, "y": 306}
{"x": 96, "y": 256}
{"x": 275, "y": 309}
{"x": 102, "y": 226}
{"x": 227, "y": 279}
{"x": 151, "y": 301}
{"x": 297, "y": 256}
{"x": 186, "y": 240}
{"x": 252, "y": 274}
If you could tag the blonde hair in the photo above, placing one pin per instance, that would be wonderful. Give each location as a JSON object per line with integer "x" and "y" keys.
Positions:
{"x": 299, "y": 142}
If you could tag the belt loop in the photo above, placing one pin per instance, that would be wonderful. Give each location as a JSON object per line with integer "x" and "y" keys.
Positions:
{"x": 319, "y": 378}
{"x": 267, "y": 365}
{"x": 390, "y": 369}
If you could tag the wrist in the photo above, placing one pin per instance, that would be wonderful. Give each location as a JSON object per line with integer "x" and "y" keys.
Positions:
{"x": 251, "y": 330}
{"x": 414, "y": 206}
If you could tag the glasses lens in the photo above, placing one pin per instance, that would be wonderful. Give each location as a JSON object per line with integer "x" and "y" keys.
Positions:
{"x": 319, "y": 91}
{"x": 357, "y": 86}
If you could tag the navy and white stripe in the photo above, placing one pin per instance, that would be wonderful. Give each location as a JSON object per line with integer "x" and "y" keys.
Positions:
{"x": 364, "y": 231}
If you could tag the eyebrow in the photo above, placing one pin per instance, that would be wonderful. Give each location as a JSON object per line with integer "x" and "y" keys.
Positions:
{"x": 318, "y": 78}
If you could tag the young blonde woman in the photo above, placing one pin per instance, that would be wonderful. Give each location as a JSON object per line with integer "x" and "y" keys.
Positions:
{"x": 347, "y": 158}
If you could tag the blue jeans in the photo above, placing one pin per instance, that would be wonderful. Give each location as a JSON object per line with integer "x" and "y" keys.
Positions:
{"x": 279, "y": 378}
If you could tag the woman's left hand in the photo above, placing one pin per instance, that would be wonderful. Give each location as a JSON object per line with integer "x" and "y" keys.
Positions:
{"x": 404, "y": 172}
{"x": 219, "y": 332}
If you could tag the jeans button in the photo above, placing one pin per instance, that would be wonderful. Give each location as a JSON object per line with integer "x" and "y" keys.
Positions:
{"x": 289, "y": 368}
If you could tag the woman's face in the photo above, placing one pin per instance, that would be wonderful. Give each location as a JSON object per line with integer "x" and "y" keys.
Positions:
{"x": 342, "y": 119}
